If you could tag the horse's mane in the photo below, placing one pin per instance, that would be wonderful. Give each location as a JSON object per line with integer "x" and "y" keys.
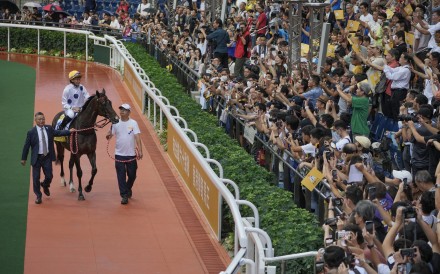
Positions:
{"x": 88, "y": 101}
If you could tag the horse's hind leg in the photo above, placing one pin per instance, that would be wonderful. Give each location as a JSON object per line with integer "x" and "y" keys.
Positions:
{"x": 79, "y": 175}
{"x": 71, "y": 163}
{"x": 92, "y": 159}
{"x": 60, "y": 160}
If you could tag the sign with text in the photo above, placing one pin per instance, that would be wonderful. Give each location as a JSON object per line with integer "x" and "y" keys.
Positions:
{"x": 196, "y": 179}
{"x": 312, "y": 179}
{"x": 133, "y": 83}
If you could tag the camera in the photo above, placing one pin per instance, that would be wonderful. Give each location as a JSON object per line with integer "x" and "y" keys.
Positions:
{"x": 407, "y": 117}
{"x": 279, "y": 124}
{"x": 408, "y": 252}
{"x": 337, "y": 201}
{"x": 408, "y": 104}
{"x": 409, "y": 212}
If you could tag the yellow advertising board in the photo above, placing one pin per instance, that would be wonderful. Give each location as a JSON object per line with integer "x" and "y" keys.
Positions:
{"x": 312, "y": 179}
{"x": 409, "y": 39}
{"x": 331, "y": 50}
{"x": 352, "y": 25}
{"x": 133, "y": 84}
{"x": 196, "y": 179}
{"x": 339, "y": 14}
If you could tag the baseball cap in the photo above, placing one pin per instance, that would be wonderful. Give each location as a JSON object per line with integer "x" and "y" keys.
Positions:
{"x": 125, "y": 106}
{"x": 402, "y": 174}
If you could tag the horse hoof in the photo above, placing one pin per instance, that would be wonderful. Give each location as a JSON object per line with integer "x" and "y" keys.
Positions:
{"x": 72, "y": 188}
{"x": 88, "y": 188}
{"x": 63, "y": 182}
{"x": 81, "y": 198}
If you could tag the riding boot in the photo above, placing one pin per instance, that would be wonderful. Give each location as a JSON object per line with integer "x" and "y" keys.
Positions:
{"x": 65, "y": 121}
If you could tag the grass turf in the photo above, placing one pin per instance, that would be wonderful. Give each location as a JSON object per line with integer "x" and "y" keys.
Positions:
{"x": 17, "y": 94}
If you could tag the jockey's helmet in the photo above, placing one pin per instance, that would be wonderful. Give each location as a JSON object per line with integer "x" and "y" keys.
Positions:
{"x": 74, "y": 74}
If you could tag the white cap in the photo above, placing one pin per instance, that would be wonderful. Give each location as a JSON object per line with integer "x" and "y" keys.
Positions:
{"x": 402, "y": 174}
{"x": 125, "y": 106}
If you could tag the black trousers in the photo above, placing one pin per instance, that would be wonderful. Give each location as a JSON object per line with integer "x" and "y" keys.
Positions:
{"x": 43, "y": 163}
{"x": 391, "y": 104}
{"x": 126, "y": 173}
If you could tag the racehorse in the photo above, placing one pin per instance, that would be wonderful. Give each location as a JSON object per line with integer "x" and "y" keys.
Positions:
{"x": 83, "y": 141}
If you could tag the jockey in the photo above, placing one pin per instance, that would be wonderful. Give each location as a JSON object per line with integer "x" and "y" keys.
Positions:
{"x": 74, "y": 97}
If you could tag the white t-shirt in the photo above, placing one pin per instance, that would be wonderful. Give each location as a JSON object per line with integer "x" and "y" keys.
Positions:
{"x": 342, "y": 142}
{"x": 309, "y": 149}
{"x": 366, "y": 18}
{"x": 125, "y": 137}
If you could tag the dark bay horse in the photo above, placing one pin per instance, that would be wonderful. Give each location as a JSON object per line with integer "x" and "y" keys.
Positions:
{"x": 84, "y": 140}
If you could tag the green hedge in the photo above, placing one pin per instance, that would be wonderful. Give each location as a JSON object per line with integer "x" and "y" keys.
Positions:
{"x": 51, "y": 42}
{"x": 291, "y": 229}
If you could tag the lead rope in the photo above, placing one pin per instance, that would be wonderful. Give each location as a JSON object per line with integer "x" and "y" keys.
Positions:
{"x": 122, "y": 161}
{"x": 74, "y": 135}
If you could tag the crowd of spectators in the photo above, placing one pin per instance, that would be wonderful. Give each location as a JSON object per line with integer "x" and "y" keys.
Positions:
{"x": 377, "y": 92}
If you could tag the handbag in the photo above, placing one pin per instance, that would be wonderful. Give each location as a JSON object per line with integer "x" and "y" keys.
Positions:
{"x": 381, "y": 85}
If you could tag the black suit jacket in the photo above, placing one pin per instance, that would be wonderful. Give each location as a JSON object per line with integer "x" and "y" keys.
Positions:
{"x": 32, "y": 142}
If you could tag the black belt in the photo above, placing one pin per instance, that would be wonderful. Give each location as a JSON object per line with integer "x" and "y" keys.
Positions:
{"x": 398, "y": 89}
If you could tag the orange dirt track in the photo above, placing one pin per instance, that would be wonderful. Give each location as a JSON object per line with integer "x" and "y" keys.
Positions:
{"x": 159, "y": 231}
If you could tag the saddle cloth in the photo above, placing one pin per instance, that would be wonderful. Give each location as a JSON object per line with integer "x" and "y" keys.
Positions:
{"x": 62, "y": 139}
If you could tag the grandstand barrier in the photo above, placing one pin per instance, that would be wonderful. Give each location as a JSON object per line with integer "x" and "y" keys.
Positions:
{"x": 253, "y": 246}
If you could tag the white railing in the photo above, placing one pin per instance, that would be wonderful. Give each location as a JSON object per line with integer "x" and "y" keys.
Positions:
{"x": 88, "y": 34}
{"x": 253, "y": 246}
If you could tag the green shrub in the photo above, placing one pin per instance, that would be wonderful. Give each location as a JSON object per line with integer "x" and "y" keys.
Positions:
{"x": 291, "y": 229}
{"x": 50, "y": 41}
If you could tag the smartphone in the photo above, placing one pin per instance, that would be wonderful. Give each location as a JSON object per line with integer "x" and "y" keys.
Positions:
{"x": 401, "y": 269}
{"x": 408, "y": 252}
{"x": 372, "y": 193}
{"x": 340, "y": 234}
{"x": 334, "y": 174}
{"x": 369, "y": 226}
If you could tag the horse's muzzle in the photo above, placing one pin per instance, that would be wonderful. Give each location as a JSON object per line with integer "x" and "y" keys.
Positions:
{"x": 115, "y": 120}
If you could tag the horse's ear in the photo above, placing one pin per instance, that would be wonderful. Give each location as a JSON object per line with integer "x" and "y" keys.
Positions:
{"x": 103, "y": 91}
{"x": 97, "y": 94}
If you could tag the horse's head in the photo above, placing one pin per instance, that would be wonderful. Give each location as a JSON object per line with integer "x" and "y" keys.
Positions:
{"x": 105, "y": 108}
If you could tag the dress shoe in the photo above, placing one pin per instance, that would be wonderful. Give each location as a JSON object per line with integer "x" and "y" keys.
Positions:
{"x": 124, "y": 201}
{"x": 38, "y": 201}
{"x": 130, "y": 193}
{"x": 46, "y": 190}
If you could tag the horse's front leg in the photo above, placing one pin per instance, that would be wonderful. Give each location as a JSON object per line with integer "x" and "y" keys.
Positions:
{"x": 71, "y": 163}
{"x": 60, "y": 160}
{"x": 92, "y": 159}
{"x": 79, "y": 175}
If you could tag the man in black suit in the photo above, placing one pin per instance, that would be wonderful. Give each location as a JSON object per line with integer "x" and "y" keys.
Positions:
{"x": 40, "y": 139}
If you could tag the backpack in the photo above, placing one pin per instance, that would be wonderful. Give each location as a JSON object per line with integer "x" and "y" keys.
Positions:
{"x": 381, "y": 85}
